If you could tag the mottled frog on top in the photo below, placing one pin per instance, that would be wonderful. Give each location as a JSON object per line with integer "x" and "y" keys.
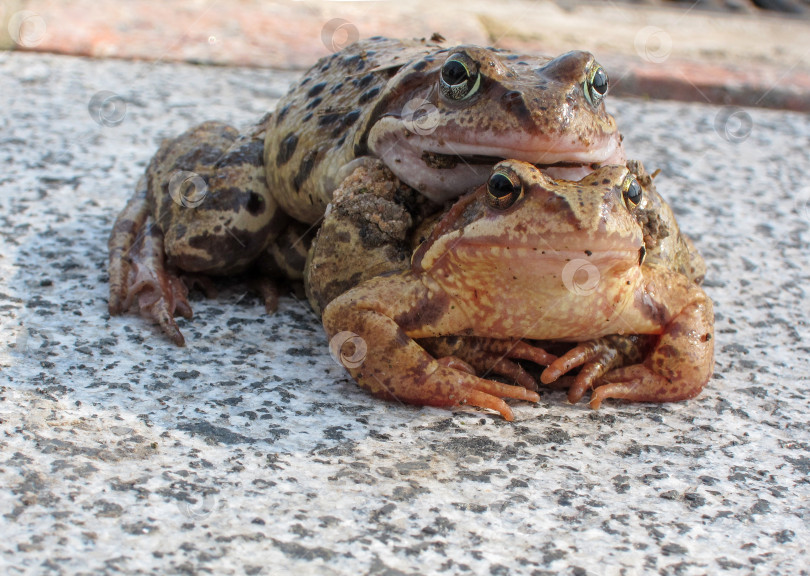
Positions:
{"x": 214, "y": 201}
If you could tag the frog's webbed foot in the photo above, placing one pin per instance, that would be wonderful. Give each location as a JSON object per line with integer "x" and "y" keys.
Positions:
{"x": 491, "y": 356}
{"x": 675, "y": 365}
{"x": 161, "y": 294}
{"x": 596, "y": 358}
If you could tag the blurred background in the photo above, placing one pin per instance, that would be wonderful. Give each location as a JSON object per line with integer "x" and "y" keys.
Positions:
{"x": 742, "y": 52}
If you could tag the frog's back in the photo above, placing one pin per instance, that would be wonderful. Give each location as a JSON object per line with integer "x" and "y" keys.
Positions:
{"x": 316, "y": 126}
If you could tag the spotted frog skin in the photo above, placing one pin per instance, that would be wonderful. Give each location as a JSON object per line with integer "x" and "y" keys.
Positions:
{"x": 495, "y": 267}
{"x": 217, "y": 202}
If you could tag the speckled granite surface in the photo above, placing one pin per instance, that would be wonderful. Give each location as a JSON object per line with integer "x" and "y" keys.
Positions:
{"x": 250, "y": 452}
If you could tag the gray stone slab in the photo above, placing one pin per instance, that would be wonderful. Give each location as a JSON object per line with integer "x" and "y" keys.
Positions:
{"x": 250, "y": 451}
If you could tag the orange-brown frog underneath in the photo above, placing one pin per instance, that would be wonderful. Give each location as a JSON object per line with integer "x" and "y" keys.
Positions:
{"x": 502, "y": 264}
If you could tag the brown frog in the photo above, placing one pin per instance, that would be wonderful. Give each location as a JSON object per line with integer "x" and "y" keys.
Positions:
{"x": 502, "y": 264}
{"x": 214, "y": 202}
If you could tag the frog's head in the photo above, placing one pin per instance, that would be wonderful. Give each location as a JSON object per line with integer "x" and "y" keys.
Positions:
{"x": 446, "y": 118}
{"x": 526, "y": 248}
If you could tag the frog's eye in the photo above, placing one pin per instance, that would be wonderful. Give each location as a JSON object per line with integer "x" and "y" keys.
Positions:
{"x": 504, "y": 188}
{"x": 459, "y": 78}
{"x": 631, "y": 192}
{"x": 596, "y": 84}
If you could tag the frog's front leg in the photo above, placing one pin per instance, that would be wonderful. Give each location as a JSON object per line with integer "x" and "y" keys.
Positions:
{"x": 364, "y": 233}
{"x": 682, "y": 359}
{"x": 387, "y": 314}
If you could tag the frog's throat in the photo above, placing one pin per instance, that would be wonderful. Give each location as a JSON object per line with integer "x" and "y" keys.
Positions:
{"x": 442, "y": 170}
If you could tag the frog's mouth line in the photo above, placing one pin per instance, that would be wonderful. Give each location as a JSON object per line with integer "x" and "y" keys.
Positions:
{"x": 440, "y": 161}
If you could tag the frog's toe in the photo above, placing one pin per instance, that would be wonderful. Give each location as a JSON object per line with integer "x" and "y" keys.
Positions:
{"x": 515, "y": 372}
{"x": 486, "y": 363}
{"x": 454, "y": 383}
{"x": 159, "y": 311}
{"x": 635, "y": 383}
{"x": 268, "y": 291}
{"x": 489, "y": 394}
{"x": 639, "y": 383}
{"x": 594, "y": 359}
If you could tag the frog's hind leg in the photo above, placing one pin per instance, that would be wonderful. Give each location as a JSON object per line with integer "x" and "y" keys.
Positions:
{"x": 137, "y": 270}
{"x": 124, "y": 236}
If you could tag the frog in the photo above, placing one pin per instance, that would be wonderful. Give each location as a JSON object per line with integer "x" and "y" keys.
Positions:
{"x": 498, "y": 266}
{"x": 215, "y": 201}
{"x": 373, "y": 209}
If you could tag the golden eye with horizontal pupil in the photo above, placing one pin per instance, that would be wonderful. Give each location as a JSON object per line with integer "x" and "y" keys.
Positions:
{"x": 596, "y": 84}
{"x": 459, "y": 77}
{"x": 631, "y": 192}
{"x": 504, "y": 188}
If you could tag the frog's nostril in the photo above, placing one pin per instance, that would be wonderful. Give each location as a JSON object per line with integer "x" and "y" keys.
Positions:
{"x": 512, "y": 96}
